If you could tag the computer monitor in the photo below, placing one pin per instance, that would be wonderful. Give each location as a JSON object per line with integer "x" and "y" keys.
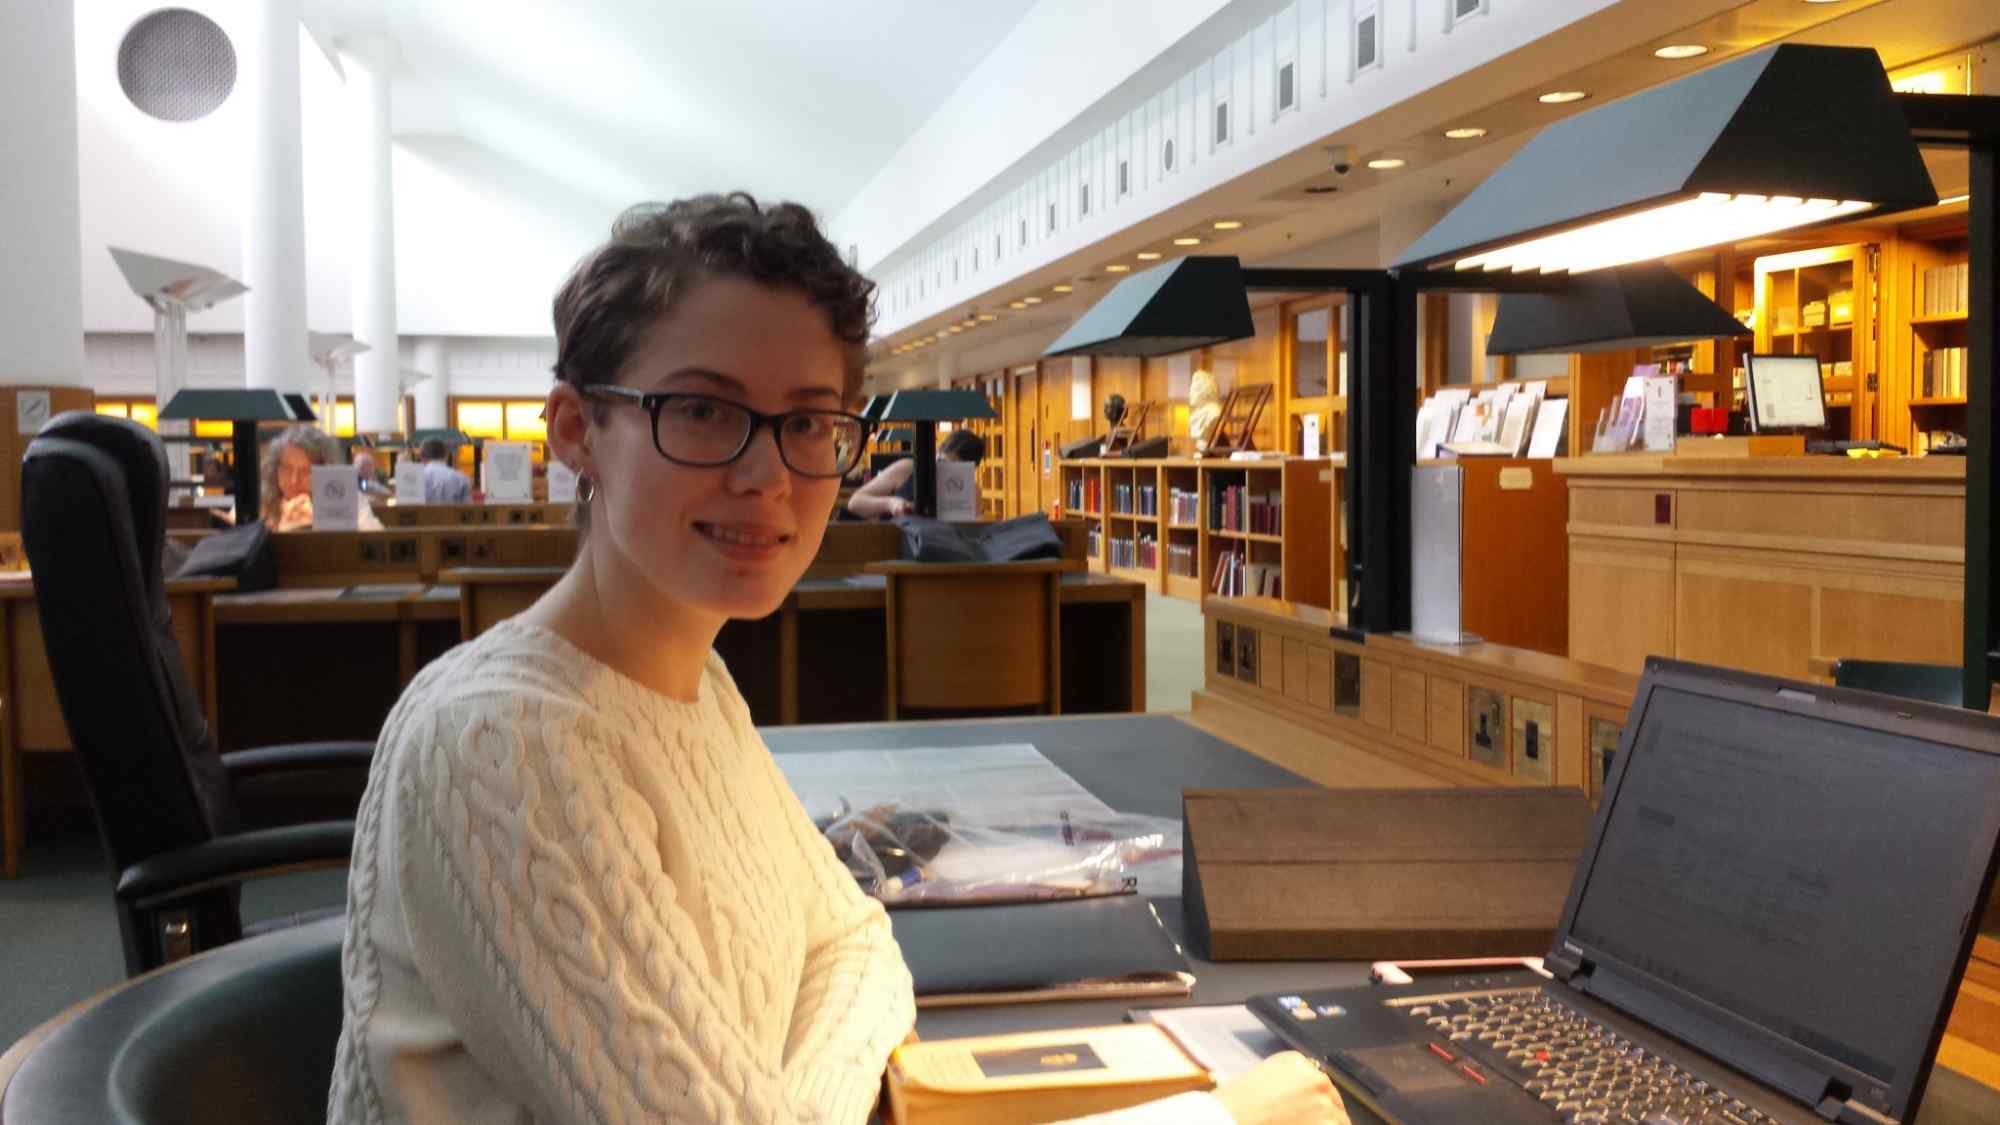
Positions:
{"x": 1785, "y": 393}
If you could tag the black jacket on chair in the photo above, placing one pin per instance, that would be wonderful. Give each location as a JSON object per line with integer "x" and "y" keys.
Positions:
{"x": 93, "y": 509}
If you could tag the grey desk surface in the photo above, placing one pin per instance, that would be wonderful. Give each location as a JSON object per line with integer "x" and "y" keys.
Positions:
{"x": 1140, "y": 763}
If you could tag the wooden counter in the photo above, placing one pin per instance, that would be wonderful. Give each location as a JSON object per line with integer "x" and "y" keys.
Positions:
{"x": 1771, "y": 564}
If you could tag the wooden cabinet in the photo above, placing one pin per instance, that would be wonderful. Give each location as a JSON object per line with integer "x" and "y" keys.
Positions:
{"x": 1817, "y": 302}
{"x": 1779, "y": 565}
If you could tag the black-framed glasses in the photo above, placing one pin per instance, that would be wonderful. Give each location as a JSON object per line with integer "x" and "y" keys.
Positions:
{"x": 705, "y": 432}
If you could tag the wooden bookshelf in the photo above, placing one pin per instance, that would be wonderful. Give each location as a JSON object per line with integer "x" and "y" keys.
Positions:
{"x": 1304, "y": 547}
{"x": 1814, "y": 302}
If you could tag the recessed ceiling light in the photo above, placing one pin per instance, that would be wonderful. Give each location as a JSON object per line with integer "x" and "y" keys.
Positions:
{"x": 1189, "y": 241}
{"x": 1386, "y": 164}
{"x": 1017, "y": 304}
{"x": 1064, "y": 288}
{"x": 1822, "y": 1}
{"x": 989, "y": 316}
{"x": 1681, "y": 51}
{"x": 955, "y": 329}
{"x": 1032, "y": 300}
{"x": 1148, "y": 255}
{"x": 1228, "y": 224}
{"x": 1560, "y": 97}
{"x": 1118, "y": 267}
{"x": 1467, "y": 133}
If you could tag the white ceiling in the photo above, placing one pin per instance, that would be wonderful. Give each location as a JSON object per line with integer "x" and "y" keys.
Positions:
{"x": 654, "y": 99}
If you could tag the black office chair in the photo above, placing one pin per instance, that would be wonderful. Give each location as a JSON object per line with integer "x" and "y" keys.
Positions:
{"x": 1934, "y": 683}
{"x": 244, "y": 1033}
{"x": 93, "y": 503}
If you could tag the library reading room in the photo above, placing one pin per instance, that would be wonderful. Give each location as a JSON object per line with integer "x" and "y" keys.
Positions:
{"x": 1205, "y": 562}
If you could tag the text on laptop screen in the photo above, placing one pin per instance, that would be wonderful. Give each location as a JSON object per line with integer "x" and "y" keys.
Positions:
{"x": 1807, "y": 875}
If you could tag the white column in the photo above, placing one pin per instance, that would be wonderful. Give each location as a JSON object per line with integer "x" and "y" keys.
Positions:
{"x": 274, "y": 221}
{"x": 433, "y": 393}
{"x": 41, "y": 284}
{"x": 370, "y": 61}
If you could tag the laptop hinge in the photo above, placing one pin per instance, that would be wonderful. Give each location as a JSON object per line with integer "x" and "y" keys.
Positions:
{"x": 1849, "y": 1110}
{"x": 1564, "y": 962}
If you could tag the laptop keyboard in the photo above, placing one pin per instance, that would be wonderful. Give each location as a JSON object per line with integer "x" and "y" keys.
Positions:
{"x": 1579, "y": 1068}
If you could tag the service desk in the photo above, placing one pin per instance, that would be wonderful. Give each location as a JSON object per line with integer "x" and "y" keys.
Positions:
{"x": 1140, "y": 764}
{"x": 1770, "y": 564}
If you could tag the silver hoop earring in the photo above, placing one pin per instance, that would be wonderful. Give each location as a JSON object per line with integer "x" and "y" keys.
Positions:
{"x": 586, "y": 490}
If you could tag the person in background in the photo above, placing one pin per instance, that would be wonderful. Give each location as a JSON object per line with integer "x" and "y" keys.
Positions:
{"x": 581, "y": 889}
{"x": 365, "y": 473}
{"x": 287, "y": 485}
{"x": 442, "y": 483}
{"x": 893, "y": 492}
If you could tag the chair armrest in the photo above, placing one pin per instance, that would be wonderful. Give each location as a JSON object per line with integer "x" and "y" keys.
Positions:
{"x": 234, "y": 858}
{"x": 297, "y": 756}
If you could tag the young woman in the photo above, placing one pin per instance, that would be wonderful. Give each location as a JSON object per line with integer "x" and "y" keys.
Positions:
{"x": 287, "y": 479}
{"x": 581, "y": 890}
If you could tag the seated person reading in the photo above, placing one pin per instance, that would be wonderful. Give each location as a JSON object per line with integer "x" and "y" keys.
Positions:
{"x": 581, "y": 890}
{"x": 893, "y": 492}
{"x": 287, "y": 486}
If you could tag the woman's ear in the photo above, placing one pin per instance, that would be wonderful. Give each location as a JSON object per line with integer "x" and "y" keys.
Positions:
{"x": 569, "y": 432}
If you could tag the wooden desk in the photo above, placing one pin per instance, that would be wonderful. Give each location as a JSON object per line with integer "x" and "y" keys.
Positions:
{"x": 30, "y": 713}
{"x": 469, "y": 515}
{"x": 1768, "y": 564}
{"x": 312, "y": 663}
{"x": 1140, "y": 764}
{"x": 835, "y": 628}
{"x": 488, "y": 595}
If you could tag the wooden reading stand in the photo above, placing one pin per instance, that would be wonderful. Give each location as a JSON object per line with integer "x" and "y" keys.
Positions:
{"x": 1129, "y": 429}
{"x": 1238, "y": 421}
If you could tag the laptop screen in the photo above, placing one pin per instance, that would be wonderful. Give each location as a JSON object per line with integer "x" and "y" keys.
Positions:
{"x": 1808, "y": 875}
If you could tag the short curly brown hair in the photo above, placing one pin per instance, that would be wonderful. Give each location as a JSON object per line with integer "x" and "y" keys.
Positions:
{"x": 658, "y": 251}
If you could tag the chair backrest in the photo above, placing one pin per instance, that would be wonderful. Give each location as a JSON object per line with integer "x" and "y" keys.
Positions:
{"x": 974, "y": 636}
{"x": 1935, "y": 683}
{"x": 243, "y": 1033}
{"x": 93, "y": 504}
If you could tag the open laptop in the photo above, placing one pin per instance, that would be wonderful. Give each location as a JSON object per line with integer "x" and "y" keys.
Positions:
{"x": 1782, "y": 886}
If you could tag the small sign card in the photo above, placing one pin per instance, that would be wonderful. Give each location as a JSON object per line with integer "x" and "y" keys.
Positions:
{"x": 31, "y": 411}
{"x": 409, "y": 481}
{"x": 957, "y": 491}
{"x": 510, "y": 473}
{"x": 336, "y": 498}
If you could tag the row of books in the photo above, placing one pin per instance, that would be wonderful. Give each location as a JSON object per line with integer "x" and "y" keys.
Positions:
{"x": 1928, "y": 440}
{"x": 1094, "y": 539}
{"x": 1085, "y": 494}
{"x": 1183, "y": 506}
{"x": 1944, "y": 373}
{"x": 1946, "y": 290}
{"x": 1181, "y": 560}
{"x": 1237, "y": 577}
{"x": 1143, "y": 554}
{"x": 1236, "y": 508}
{"x": 1145, "y": 496}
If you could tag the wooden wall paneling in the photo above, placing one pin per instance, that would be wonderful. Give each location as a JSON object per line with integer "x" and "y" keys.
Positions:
{"x": 1054, "y": 429}
{"x": 1446, "y": 714}
{"x": 1863, "y": 518}
{"x": 14, "y": 444}
{"x": 1297, "y": 672}
{"x": 1376, "y": 691}
{"x": 1571, "y": 749}
{"x": 1621, "y": 599}
{"x": 1271, "y": 654}
{"x": 1533, "y": 734}
{"x": 1111, "y": 375}
{"x": 1515, "y": 575}
{"x": 1306, "y": 557}
{"x": 1878, "y": 625}
{"x": 1727, "y": 615}
{"x": 1319, "y": 677}
{"x": 1411, "y": 704}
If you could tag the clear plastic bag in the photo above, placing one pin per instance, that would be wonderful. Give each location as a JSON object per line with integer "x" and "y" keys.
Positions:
{"x": 933, "y": 856}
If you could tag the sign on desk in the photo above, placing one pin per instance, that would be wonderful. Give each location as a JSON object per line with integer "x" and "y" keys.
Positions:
{"x": 510, "y": 473}
{"x": 409, "y": 481}
{"x": 336, "y": 498}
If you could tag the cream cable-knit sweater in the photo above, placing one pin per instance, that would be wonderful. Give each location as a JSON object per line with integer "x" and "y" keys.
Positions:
{"x": 574, "y": 899}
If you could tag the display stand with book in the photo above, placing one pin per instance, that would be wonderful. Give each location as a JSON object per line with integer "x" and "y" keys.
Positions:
{"x": 1237, "y": 424}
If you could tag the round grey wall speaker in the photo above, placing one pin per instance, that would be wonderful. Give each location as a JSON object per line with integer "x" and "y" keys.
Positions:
{"x": 176, "y": 65}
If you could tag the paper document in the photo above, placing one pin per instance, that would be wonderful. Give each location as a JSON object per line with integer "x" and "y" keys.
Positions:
{"x": 409, "y": 481}
{"x": 1225, "y": 1039}
{"x": 1551, "y": 423}
{"x": 336, "y": 498}
{"x": 1662, "y": 402}
{"x": 510, "y": 472}
{"x": 562, "y": 483}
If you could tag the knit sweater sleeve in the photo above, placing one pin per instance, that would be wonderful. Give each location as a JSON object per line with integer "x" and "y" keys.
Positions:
{"x": 547, "y": 931}
{"x": 855, "y": 1003}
